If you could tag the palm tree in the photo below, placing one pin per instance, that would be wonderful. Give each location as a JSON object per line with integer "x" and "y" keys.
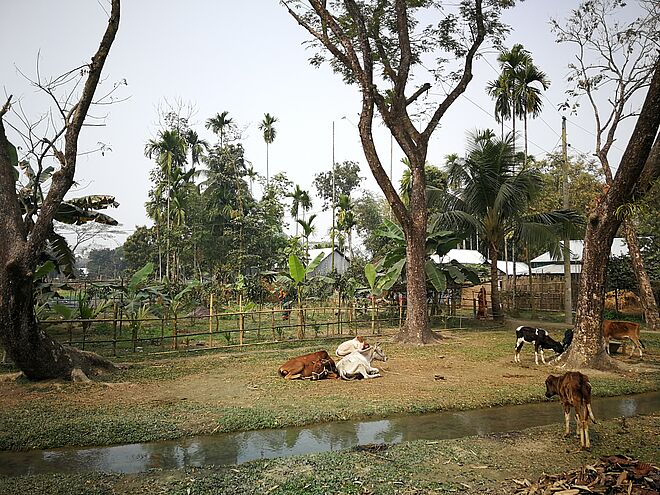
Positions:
{"x": 169, "y": 150}
{"x": 302, "y": 200}
{"x": 528, "y": 95}
{"x": 268, "y": 128}
{"x": 220, "y": 124}
{"x": 500, "y": 91}
{"x": 251, "y": 174}
{"x": 196, "y": 145}
{"x": 308, "y": 229}
{"x": 490, "y": 197}
{"x": 346, "y": 219}
{"x": 504, "y": 88}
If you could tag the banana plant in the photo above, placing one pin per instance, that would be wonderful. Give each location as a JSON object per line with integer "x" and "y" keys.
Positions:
{"x": 137, "y": 300}
{"x": 438, "y": 242}
{"x": 172, "y": 305}
{"x": 298, "y": 274}
{"x": 85, "y": 310}
{"x": 379, "y": 283}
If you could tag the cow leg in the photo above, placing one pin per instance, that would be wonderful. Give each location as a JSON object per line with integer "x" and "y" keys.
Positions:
{"x": 567, "y": 421}
{"x": 587, "y": 443}
{"x": 607, "y": 344}
{"x": 542, "y": 357}
{"x": 637, "y": 343}
{"x": 293, "y": 376}
{"x": 519, "y": 344}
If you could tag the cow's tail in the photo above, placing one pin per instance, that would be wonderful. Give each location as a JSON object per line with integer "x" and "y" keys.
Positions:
{"x": 282, "y": 372}
{"x": 591, "y": 413}
{"x": 641, "y": 343}
{"x": 585, "y": 390}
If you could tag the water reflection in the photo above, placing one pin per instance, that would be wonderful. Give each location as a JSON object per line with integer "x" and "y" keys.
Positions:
{"x": 246, "y": 446}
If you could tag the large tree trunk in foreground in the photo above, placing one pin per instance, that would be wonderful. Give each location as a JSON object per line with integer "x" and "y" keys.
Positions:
{"x": 21, "y": 242}
{"x": 645, "y": 290}
{"x": 637, "y": 171}
{"x": 417, "y": 328}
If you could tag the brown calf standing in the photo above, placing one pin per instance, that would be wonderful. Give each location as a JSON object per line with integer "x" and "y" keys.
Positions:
{"x": 574, "y": 390}
{"x": 620, "y": 330}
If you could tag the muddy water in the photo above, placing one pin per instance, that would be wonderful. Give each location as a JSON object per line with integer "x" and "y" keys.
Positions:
{"x": 237, "y": 448}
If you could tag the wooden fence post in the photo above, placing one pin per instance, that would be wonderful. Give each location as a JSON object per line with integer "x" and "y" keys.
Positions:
{"x": 272, "y": 321}
{"x": 114, "y": 329}
{"x": 211, "y": 321}
{"x": 175, "y": 334}
{"x": 241, "y": 320}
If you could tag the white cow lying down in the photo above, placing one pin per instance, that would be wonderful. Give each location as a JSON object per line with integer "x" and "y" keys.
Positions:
{"x": 358, "y": 363}
{"x": 356, "y": 344}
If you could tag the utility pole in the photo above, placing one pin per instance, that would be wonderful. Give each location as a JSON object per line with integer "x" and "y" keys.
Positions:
{"x": 332, "y": 268}
{"x": 566, "y": 250}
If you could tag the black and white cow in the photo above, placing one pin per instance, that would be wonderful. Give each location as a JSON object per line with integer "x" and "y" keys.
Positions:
{"x": 541, "y": 340}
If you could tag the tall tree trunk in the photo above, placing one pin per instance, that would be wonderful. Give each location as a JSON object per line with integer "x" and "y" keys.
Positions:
{"x": 645, "y": 290}
{"x": 638, "y": 169}
{"x": 494, "y": 289}
{"x": 417, "y": 328}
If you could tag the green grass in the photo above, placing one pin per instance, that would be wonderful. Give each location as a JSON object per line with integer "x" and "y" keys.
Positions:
{"x": 471, "y": 465}
{"x": 54, "y": 417}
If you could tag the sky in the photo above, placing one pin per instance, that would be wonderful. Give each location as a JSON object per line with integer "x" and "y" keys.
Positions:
{"x": 247, "y": 58}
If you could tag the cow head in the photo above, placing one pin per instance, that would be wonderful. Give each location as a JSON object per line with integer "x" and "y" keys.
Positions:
{"x": 551, "y": 387}
{"x": 379, "y": 354}
{"x": 318, "y": 369}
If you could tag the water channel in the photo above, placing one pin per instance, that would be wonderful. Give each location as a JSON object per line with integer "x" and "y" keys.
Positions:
{"x": 236, "y": 448}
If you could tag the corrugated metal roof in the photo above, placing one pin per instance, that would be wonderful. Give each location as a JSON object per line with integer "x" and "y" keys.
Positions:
{"x": 619, "y": 248}
{"x": 507, "y": 267}
{"x": 555, "y": 269}
{"x": 313, "y": 253}
{"x": 464, "y": 256}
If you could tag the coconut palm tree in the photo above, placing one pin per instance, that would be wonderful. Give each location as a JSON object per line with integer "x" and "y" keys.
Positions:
{"x": 490, "y": 196}
{"x": 220, "y": 124}
{"x": 268, "y": 127}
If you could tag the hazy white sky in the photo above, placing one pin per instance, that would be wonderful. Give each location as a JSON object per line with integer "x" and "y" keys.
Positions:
{"x": 247, "y": 58}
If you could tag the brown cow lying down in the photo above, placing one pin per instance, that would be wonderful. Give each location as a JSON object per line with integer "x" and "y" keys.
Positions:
{"x": 314, "y": 366}
{"x": 620, "y": 330}
{"x": 574, "y": 390}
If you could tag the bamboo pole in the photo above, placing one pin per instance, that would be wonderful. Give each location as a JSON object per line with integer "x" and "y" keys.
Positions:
{"x": 211, "y": 321}
{"x": 114, "y": 330}
{"x": 241, "y": 320}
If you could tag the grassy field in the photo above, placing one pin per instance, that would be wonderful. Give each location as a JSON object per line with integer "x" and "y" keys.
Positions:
{"x": 172, "y": 396}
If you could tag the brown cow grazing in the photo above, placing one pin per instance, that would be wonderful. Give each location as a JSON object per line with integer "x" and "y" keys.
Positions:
{"x": 620, "y": 330}
{"x": 316, "y": 365}
{"x": 574, "y": 390}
